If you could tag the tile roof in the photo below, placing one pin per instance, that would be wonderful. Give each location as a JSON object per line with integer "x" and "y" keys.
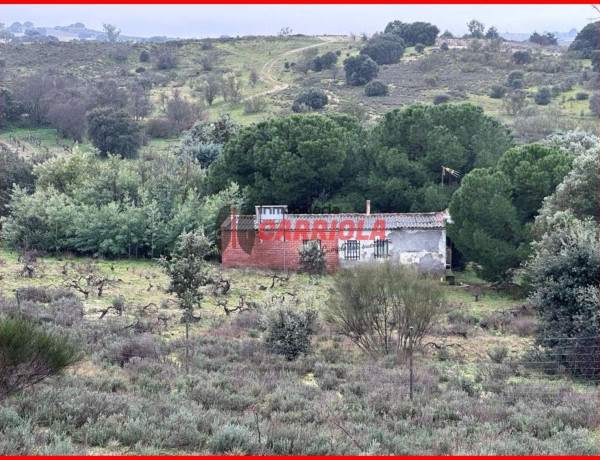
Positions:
{"x": 392, "y": 220}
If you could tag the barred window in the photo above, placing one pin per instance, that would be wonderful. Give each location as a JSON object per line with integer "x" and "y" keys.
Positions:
{"x": 352, "y": 250}
{"x": 309, "y": 244}
{"x": 382, "y": 249}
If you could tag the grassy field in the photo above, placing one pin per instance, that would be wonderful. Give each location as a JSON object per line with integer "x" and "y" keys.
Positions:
{"x": 130, "y": 394}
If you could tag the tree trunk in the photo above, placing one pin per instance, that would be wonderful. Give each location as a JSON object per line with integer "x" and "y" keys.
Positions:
{"x": 187, "y": 344}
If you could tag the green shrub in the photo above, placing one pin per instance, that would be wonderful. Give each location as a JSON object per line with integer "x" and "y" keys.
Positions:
{"x": 521, "y": 57}
{"x": 376, "y": 88}
{"x": 517, "y": 84}
{"x": 581, "y": 96}
{"x": 114, "y": 131}
{"x": 419, "y": 48}
{"x": 440, "y": 99}
{"x": 498, "y": 354}
{"x": 516, "y": 79}
{"x": 460, "y": 316}
{"x": 288, "y": 332}
{"x": 444, "y": 46}
{"x": 543, "y": 96}
{"x": 312, "y": 98}
{"x": 30, "y": 354}
{"x": 255, "y": 104}
{"x": 360, "y": 70}
{"x": 144, "y": 56}
{"x": 497, "y": 91}
{"x": 384, "y": 48}
{"x": 232, "y": 438}
{"x": 159, "y": 128}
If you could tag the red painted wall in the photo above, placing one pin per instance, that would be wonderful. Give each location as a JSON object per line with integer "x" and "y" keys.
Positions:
{"x": 275, "y": 254}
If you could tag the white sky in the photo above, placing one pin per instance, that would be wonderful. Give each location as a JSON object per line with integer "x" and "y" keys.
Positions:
{"x": 187, "y": 21}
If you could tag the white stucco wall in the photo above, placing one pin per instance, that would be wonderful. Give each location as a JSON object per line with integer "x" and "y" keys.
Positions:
{"x": 424, "y": 248}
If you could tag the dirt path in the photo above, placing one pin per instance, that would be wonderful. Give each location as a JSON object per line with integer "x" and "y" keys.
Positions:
{"x": 266, "y": 73}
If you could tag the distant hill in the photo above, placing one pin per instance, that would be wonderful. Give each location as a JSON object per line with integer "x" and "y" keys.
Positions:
{"x": 28, "y": 32}
{"x": 78, "y": 31}
{"x": 563, "y": 37}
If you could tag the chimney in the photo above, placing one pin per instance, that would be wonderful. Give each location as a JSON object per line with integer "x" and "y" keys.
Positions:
{"x": 368, "y": 213}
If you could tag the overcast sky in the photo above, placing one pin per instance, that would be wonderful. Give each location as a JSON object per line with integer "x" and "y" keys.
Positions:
{"x": 187, "y": 21}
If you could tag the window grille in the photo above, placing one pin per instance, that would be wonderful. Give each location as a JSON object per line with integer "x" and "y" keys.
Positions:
{"x": 352, "y": 250}
{"x": 382, "y": 249}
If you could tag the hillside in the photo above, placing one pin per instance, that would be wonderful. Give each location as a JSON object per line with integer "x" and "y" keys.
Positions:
{"x": 465, "y": 73}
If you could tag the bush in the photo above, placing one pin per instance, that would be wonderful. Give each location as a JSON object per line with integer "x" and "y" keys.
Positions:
{"x": 514, "y": 101}
{"x": 497, "y": 91}
{"x": 232, "y": 438}
{"x": 376, "y": 88}
{"x": 543, "y": 96}
{"x": 360, "y": 70}
{"x": 384, "y": 48}
{"x": 564, "y": 272}
{"x": 581, "y": 96}
{"x": 69, "y": 118}
{"x": 144, "y": 56}
{"x": 312, "y": 98}
{"x": 114, "y": 131}
{"x": 140, "y": 346}
{"x": 288, "y": 332}
{"x": 30, "y": 354}
{"x": 326, "y": 61}
{"x": 517, "y": 84}
{"x": 312, "y": 260}
{"x": 430, "y": 80}
{"x": 372, "y": 295}
{"x": 419, "y": 48}
{"x": 586, "y": 41}
{"x": 34, "y": 294}
{"x": 498, "y": 354}
{"x": 440, "y": 99}
{"x": 354, "y": 109}
{"x": 255, "y": 104}
{"x": 166, "y": 59}
{"x": 444, "y": 46}
{"x": 160, "y": 128}
{"x": 516, "y": 79}
{"x": 521, "y": 57}
{"x": 140, "y": 69}
{"x": 413, "y": 33}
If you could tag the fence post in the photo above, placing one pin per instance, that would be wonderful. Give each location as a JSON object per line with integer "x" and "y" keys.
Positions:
{"x": 410, "y": 359}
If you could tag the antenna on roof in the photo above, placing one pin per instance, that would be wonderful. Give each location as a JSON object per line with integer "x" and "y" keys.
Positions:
{"x": 452, "y": 172}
